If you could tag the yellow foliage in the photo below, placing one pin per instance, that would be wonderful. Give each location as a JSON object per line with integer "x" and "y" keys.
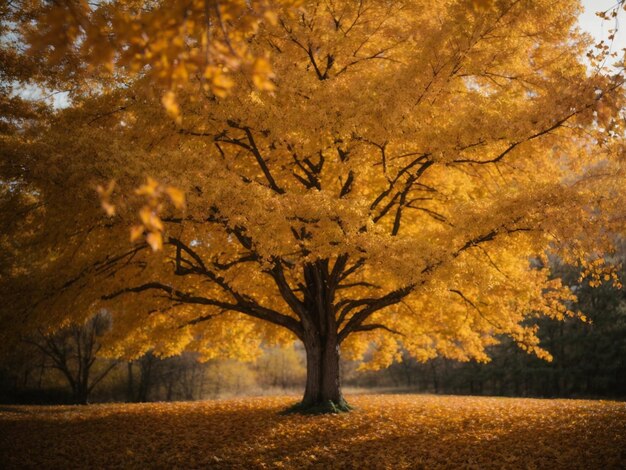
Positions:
{"x": 171, "y": 106}
{"x": 105, "y": 197}
{"x": 155, "y": 240}
{"x": 170, "y": 41}
{"x": 177, "y": 197}
{"x": 394, "y": 174}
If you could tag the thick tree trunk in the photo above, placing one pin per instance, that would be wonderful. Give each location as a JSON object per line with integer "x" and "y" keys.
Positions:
{"x": 323, "y": 387}
{"x": 321, "y": 341}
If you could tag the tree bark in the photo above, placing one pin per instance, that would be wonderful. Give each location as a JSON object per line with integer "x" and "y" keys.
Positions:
{"x": 323, "y": 385}
{"x": 81, "y": 394}
{"x": 130, "y": 386}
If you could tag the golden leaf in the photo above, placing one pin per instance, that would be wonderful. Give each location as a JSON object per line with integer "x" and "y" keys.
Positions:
{"x": 177, "y": 196}
{"x": 147, "y": 189}
{"x": 171, "y": 106}
{"x": 155, "y": 240}
{"x": 262, "y": 74}
{"x": 108, "y": 208}
{"x": 136, "y": 232}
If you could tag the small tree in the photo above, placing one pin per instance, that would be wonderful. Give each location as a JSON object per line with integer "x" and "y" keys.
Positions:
{"x": 73, "y": 351}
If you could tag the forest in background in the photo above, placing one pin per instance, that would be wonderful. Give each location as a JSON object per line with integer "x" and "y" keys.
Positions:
{"x": 589, "y": 360}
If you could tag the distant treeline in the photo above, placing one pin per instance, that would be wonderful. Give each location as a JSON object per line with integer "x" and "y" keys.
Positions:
{"x": 589, "y": 358}
{"x": 34, "y": 379}
{"x": 589, "y": 361}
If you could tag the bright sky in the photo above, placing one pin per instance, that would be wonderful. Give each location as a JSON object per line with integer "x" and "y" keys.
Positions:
{"x": 599, "y": 29}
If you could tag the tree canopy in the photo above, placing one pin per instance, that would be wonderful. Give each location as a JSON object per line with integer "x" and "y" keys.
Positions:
{"x": 398, "y": 177}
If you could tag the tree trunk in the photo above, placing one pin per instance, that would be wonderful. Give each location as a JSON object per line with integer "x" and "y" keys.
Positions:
{"x": 81, "y": 394}
{"x": 323, "y": 387}
{"x": 321, "y": 342}
{"x": 130, "y": 385}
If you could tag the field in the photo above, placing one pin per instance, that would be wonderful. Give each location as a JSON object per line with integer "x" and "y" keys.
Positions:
{"x": 385, "y": 431}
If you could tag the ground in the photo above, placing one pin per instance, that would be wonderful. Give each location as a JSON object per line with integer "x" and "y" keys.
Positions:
{"x": 385, "y": 431}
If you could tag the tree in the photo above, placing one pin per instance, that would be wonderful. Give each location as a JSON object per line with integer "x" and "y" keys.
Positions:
{"x": 401, "y": 185}
{"x": 281, "y": 367}
{"x": 166, "y": 41}
{"x": 73, "y": 351}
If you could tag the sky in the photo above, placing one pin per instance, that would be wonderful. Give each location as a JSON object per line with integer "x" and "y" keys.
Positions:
{"x": 599, "y": 29}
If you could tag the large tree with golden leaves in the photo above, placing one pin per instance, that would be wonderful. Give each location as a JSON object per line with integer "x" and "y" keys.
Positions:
{"x": 397, "y": 179}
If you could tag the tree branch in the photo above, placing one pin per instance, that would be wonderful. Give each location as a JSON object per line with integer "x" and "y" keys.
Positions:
{"x": 373, "y": 305}
{"x": 377, "y": 326}
{"x": 243, "y": 306}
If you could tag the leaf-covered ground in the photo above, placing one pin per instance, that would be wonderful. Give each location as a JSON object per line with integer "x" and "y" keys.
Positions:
{"x": 386, "y": 431}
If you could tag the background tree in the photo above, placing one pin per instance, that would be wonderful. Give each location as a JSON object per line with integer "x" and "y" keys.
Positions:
{"x": 73, "y": 352}
{"x": 587, "y": 356}
{"x": 281, "y": 368}
{"x": 391, "y": 189}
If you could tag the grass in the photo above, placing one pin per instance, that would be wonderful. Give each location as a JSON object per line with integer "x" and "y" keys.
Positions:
{"x": 384, "y": 431}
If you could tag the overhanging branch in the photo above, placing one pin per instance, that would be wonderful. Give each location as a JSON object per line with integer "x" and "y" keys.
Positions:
{"x": 373, "y": 305}
{"x": 244, "y": 306}
{"x": 377, "y": 326}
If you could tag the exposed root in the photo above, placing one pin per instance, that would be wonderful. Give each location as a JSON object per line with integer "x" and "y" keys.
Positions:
{"x": 327, "y": 407}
